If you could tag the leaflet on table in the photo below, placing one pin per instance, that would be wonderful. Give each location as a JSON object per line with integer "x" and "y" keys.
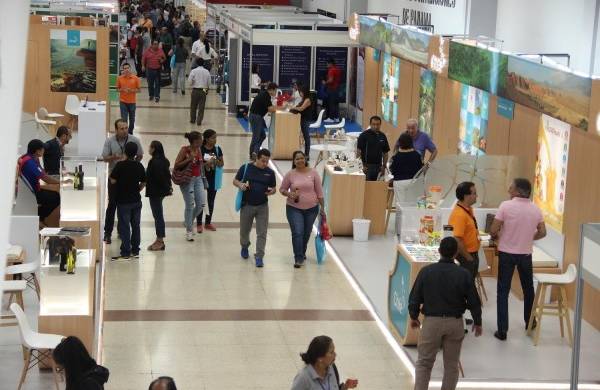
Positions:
{"x": 422, "y": 253}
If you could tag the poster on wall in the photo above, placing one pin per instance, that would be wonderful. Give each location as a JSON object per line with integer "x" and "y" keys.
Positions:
{"x": 426, "y": 100}
{"x": 294, "y": 65}
{"x": 551, "y": 170}
{"x": 472, "y": 130}
{"x": 340, "y": 56}
{"x": 264, "y": 57}
{"x": 73, "y": 61}
{"x": 562, "y": 95}
{"x": 390, "y": 84}
{"x": 480, "y": 68}
{"x": 410, "y": 45}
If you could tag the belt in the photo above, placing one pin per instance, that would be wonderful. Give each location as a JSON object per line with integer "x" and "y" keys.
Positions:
{"x": 444, "y": 315}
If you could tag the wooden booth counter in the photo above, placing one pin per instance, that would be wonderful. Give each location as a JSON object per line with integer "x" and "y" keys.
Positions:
{"x": 67, "y": 300}
{"x": 344, "y": 199}
{"x": 284, "y": 135}
{"x": 409, "y": 261}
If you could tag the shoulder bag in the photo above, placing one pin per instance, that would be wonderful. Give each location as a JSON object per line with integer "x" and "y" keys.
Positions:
{"x": 240, "y": 194}
{"x": 182, "y": 176}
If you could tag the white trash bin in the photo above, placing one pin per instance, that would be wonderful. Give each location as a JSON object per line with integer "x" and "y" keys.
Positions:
{"x": 360, "y": 229}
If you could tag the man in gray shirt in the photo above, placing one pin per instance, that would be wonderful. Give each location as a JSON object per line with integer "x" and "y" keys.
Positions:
{"x": 112, "y": 153}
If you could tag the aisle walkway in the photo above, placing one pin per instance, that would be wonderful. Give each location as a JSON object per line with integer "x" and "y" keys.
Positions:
{"x": 201, "y": 314}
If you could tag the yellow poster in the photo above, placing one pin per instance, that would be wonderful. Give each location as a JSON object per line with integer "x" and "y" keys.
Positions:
{"x": 551, "y": 170}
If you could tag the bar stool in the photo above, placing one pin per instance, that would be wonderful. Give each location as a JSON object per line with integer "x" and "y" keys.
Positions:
{"x": 390, "y": 207}
{"x": 561, "y": 309}
{"x": 14, "y": 288}
{"x": 480, "y": 286}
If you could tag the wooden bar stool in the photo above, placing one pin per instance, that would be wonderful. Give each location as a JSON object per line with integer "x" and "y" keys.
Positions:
{"x": 561, "y": 309}
{"x": 390, "y": 206}
{"x": 480, "y": 287}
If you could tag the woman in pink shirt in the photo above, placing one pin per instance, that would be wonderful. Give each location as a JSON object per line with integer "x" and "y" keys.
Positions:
{"x": 302, "y": 187}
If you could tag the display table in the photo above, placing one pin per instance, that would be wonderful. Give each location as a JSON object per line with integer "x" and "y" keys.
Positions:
{"x": 284, "y": 135}
{"x": 92, "y": 129}
{"x": 343, "y": 194}
{"x": 67, "y": 300}
{"x": 409, "y": 261}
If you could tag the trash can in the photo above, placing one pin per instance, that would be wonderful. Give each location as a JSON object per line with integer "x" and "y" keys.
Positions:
{"x": 360, "y": 229}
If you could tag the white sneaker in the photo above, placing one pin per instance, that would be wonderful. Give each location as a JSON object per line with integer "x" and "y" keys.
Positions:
{"x": 189, "y": 236}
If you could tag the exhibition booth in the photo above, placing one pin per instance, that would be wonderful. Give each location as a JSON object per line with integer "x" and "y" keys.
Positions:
{"x": 494, "y": 116}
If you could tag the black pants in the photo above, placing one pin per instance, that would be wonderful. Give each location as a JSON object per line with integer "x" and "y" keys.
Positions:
{"x": 211, "y": 193}
{"x": 111, "y": 209}
{"x": 372, "y": 171}
{"x": 47, "y": 201}
{"x": 305, "y": 126}
{"x": 197, "y": 105}
{"x": 471, "y": 266}
{"x": 332, "y": 105}
{"x": 506, "y": 267}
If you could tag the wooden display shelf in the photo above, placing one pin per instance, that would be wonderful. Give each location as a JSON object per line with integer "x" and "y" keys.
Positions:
{"x": 344, "y": 199}
{"x": 284, "y": 135}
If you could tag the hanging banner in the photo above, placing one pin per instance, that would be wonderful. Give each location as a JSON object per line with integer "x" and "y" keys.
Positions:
{"x": 478, "y": 67}
{"x": 390, "y": 85}
{"x": 264, "y": 57}
{"x": 472, "y": 128}
{"x": 551, "y": 170}
{"x": 426, "y": 100}
{"x": 340, "y": 56}
{"x": 294, "y": 65}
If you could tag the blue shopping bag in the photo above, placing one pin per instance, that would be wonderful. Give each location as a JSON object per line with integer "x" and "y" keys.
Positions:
{"x": 240, "y": 194}
{"x": 218, "y": 174}
{"x": 320, "y": 248}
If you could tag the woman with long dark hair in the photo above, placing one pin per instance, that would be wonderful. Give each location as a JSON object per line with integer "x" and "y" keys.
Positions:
{"x": 81, "y": 371}
{"x": 302, "y": 187}
{"x": 158, "y": 185}
{"x": 190, "y": 160}
{"x": 212, "y": 155}
{"x": 320, "y": 371}
{"x": 181, "y": 55}
{"x": 305, "y": 111}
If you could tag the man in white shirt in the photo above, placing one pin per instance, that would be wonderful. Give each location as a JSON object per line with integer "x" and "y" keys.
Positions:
{"x": 199, "y": 82}
{"x": 201, "y": 49}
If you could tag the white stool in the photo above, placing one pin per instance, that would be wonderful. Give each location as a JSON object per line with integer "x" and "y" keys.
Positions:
{"x": 317, "y": 125}
{"x": 330, "y": 128}
{"x": 72, "y": 108}
{"x": 36, "y": 346}
{"x": 561, "y": 309}
{"x": 27, "y": 272}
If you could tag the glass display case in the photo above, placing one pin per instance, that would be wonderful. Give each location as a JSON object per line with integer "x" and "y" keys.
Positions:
{"x": 63, "y": 247}
{"x": 79, "y": 190}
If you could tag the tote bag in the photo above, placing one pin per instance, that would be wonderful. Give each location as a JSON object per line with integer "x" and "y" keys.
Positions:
{"x": 240, "y": 194}
{"x": 218, "y": 173}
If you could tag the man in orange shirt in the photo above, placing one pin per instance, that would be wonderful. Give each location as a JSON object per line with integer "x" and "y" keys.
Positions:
{"x": 465, "y": 229}
{"x": 128, "y": 85}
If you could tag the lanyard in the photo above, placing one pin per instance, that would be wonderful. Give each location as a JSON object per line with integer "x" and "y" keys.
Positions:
{"x": 327, "y": 381}
{"x": 470, "y": 215}
{"x": 124, "y": 143}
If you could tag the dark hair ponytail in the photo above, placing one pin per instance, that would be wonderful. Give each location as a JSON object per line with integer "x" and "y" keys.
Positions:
{"x": 192, "y": 136}
{"x": 207, "y": 46}
{"x": 318, "y": 347}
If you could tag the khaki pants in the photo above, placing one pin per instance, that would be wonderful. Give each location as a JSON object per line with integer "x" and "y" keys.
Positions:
{"x": 197, "y": 105}
{"x": 446, "y": 333}
{"x": 249, "y": 214}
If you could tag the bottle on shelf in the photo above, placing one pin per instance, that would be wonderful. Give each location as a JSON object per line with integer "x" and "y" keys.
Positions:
{"x": 76, "y": 179}
{"x": 80, "y": 181}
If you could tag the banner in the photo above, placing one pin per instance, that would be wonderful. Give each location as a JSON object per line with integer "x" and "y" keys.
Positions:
{"x": 264, "y": 56}
{"x": 474, "y": 113}
{"x": 294, "y": 65}
{"x": 73, "y": 61}
{"x": 477, "y": 67}
{"x": 390, "y": 84}
{"x": 551, "y": 170}
{"x": 340, "y": 56}
{"x": 426, "y": 100}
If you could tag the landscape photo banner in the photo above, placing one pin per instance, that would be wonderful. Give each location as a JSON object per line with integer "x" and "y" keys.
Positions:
{"x": 474, "y": 114}
{"x": 480, "y": 68}
{"x": 551, "y": 165}
{"x": 264, "y": 56}
{"x": 560, "y": 94}
{"x": 73, "y": 61}
{"x": 294, "y": 65}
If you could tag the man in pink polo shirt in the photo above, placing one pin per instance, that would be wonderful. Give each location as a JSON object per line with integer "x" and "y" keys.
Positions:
{"x": 152, "y": 62}
{"x": 516, "y": 225}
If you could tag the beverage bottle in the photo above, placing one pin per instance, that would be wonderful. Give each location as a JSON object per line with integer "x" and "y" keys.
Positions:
{"x": 298, "y": 196}
{"x": 76, "y": 179}
{"x": 80, "y": 186}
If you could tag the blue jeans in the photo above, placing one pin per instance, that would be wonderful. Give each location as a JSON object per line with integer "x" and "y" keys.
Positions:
{"x": 301, "y": 223}
{"x": 305, "y": 126}
{"x": 153, "y": 77}
{"x": 257, "y": 126}
{"x": 506, "y": 267}
{"x": 193, "y": 196}
{"x": 128, "y": 113}
{"x": 156, "y": 204}
{"x": 129, "y": 227}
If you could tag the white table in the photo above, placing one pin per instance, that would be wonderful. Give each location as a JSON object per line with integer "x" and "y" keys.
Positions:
{"x": 326, "y": 148}
{"x": 92, "y": 128}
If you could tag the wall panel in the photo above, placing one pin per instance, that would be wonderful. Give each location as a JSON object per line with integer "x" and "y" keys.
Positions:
{"x": 447, "y": 116}
{"x": 498, "y": 130}
{"x": 522, "y": 139}
{"x": 371, "y": 87}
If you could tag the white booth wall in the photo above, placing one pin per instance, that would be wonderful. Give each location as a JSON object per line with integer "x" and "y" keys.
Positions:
{"x": 341, "y": 8}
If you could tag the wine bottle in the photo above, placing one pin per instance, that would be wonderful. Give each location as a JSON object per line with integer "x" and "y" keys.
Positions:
{"x": 298, "y": 196}
{"x": 76, "y": 180}
{"x": 80, "y": 187}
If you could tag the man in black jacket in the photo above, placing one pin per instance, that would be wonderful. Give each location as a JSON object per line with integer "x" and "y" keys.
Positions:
{"x": 442, "y": 292}
{"x": 54, "y": 150}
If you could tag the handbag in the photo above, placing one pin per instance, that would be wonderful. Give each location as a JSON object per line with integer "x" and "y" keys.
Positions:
{"x": 240, "y": 194}
{"x": 218, "y": 173}
{"x": 324, "y": 228}
{"x": 183, "y": 176}
{"x": 172, "y": 62}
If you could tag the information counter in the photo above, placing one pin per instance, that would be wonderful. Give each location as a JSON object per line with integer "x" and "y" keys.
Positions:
{"x": 343, "y": 194}
{"x": 284, "y": 135}
{"x": 91, "y": 129}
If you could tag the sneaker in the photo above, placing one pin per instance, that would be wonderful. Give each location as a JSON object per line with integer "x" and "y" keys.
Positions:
{"x": 296, "y": 265}
{"x": 121, "y": 257}
{"x": 500, "y": 335}
{"x": 199, "y": 228}
{"x": 157, "y": 100}
{"x": 189, "y": 236}
{"x": 469, "y": 321}
{"x": 107, "y": 240}
{"x": 259, "y": 262}
{"x": 211, "y": 227}
{"x": 244, "y": 253}
{"x": 151, "y": 98}
{"x": 135, "y": 255}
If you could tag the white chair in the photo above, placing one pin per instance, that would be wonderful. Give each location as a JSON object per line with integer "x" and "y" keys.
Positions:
{"x": 72, "y": 108}
{"x": 316, "y": 126}
{"x": 41, "y": 120}
{"x": 12, "y": 287}
{"x": 27, "y": 271}
{"x": 561, "y": 309}
{"x": 37, "y": 347}
{"x": 329, "y": 129}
